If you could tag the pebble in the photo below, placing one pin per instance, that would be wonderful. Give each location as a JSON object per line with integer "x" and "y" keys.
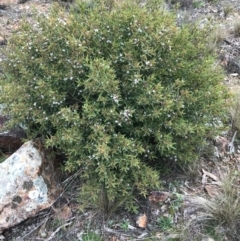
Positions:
{"x": 2, "y": 40}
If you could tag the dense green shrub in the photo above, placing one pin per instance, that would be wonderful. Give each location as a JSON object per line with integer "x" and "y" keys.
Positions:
{"x": 118, "y": 88}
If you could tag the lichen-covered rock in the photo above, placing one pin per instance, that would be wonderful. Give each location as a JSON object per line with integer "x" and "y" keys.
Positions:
{"x": 27, "y": 183}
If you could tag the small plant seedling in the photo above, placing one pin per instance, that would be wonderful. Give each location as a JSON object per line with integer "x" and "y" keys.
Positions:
{"x": 2, "y": 159}
{"x": 91, "y": 236}
{"x": 125, "y": 225}
{"x": 110, "y": 222}
{"x": 165, "y": 223}
{"x": 198, "y": 4}
{"x": 176, "y": 203}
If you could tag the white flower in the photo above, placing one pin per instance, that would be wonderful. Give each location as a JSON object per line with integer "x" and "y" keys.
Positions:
{"x": 115, "y": 98}
{"x": 136, "y": 81}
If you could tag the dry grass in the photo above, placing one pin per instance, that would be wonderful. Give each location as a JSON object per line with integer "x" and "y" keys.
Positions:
{"x": 219, "y": 34}
{"x": 227, "y": 9}
{"x": 216, "y": 38}
{"x": 217, "y": 218}
{"x": 185, "y": 4}
{"x": 236, "y": 28}
{"x": 235, "y": 113}
{"x": 223, "y": 211}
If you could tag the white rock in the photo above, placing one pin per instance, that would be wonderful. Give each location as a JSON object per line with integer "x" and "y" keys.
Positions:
{"x": 26, "y": 181}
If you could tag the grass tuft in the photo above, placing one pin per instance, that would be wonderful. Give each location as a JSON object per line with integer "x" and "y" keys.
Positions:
{"x": 227, "y": 9}
{"x": 235, "y": 114}
{"x": 236, "y": 28}
{"x": 223, "y": 212}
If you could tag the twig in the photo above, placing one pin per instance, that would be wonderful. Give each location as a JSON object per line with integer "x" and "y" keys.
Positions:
{"x": 232, "y": 44}
{"x": 109, "y": 230}
{"x": 227, "y": 42}
{"x": 34, "y": 229}
{"x": 66, "y": 183}
{"x": 73, "y": 176}
{"x": 57, "y": 230}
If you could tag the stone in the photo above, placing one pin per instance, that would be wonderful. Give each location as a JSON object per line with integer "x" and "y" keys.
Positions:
{"x": 27, "y": 182}
{"x": 231, "y": 65}
{"x": 21, "y": 1}
{"x": 142, "y": 221}
{"x": 3, "y": 6}
{"x": 207, "y": 239}
{"x": 156, "y": 196}
{"x": 7, "y": 3}
{"x": 2, "y": 40}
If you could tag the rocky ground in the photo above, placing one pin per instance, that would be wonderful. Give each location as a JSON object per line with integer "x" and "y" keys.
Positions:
{"x": 181, "y": 195}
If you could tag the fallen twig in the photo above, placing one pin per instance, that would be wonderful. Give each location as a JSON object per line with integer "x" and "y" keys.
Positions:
{"x": 109, "y": 230}
{"x": 57, "y": 230}
{"x": 34, "y": 229}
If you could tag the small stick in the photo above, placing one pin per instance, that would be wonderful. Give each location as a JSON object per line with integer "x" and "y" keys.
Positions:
{"x": 57, "y": 230}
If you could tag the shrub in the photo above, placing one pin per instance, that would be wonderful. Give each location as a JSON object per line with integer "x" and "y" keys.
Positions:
{"x": 117, "y": 88}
